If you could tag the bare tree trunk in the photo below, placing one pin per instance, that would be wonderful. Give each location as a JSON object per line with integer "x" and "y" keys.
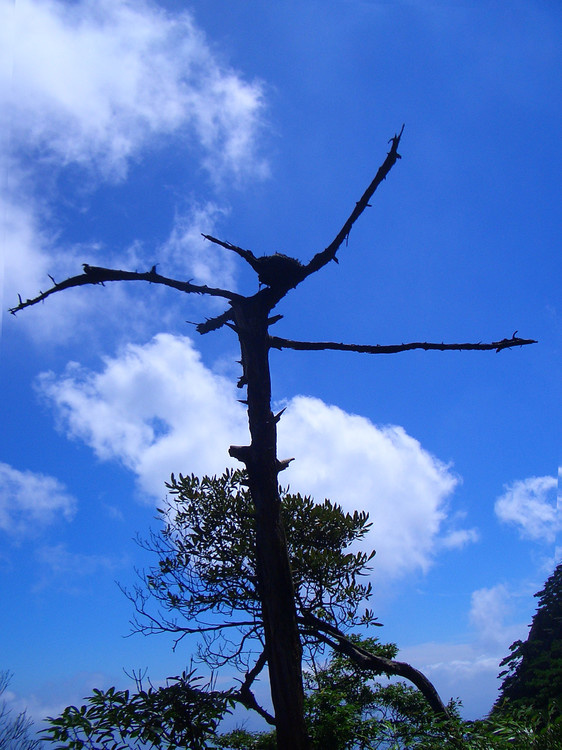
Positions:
{"x": 282, "y": 640}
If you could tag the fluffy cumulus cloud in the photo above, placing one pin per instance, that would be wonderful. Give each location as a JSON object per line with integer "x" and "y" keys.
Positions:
{"x": 91, "y": 81}
{"x": 532, "y": 505}
{"x": 29, "y": 501}
{"x": 379, "y": 469}
{"x": 158, "y": 409}
{"x": 155, "y": 408}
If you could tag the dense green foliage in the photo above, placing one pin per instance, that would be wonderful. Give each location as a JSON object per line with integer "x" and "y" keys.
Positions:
{"x": 533, "y": 674}
{"x": 346, "y": 709}
{"x": 205, "y": 580}
{"x": 179, "y": 715}
{"x": 205, "y": 583}
{"x": 349, "y": 709}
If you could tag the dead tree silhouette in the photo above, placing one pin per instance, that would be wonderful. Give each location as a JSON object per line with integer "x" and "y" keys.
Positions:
{"x": 250, "y": 318}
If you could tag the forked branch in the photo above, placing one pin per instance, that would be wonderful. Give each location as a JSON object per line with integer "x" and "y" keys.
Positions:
{"x": 245, "y": 695}
{"x": 280, "y": 343}
{"x": 283, "y": 272}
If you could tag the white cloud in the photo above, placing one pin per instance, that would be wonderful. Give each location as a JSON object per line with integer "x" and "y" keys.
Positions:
{"x": 461, "y": 671}
{"x": 379, "y": 469}
{"x": 28, "y": 253}
{"x": 22, "y": 265}
{"x": 31, "y": 253}
{"x": 96, "y": 84}
{"x": 58, "y": 559}
{"x": 92, "y": 81}
{"x": 157, "y": 409}
{"x": 30, "y": 501}
{"x": 531, "y": 504}
{"x": 459, "y": 538}
{"x": 51, "y": 698}
{"x": 469, "y": 669}
{"x": 187, "y": 252}
{"x": 489, "y": 608}
{"x": 62, "y": 568}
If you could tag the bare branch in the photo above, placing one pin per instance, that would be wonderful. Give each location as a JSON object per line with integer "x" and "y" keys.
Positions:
{"x": 248, "y": 255}
{"x": 245, "y": 695}
{"x": 324, "y": 257}
{"x": 213, "y": 324}
{"x": 284, "y": 272}
{"x": 366, "y": 660}
{"x": 279, "y": 343}
{"x": 98, "y": 275}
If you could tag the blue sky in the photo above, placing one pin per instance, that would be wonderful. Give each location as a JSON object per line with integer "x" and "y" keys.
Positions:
{"x": 128, "y": 128}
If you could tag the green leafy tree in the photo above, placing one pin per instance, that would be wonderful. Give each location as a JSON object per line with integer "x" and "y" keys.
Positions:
{"x": 205, "y": 581}
{"x": 533, "y": 674}
{"x": 179, "y": 715}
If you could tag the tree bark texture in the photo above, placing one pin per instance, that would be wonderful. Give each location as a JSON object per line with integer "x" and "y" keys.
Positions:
{"x": 282, "y": 640}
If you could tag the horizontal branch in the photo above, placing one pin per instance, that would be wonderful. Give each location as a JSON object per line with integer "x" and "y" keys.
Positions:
{"x": 98, "y": 275}
{"x": 364, "y": 659}
{"x": 276, "y": 342}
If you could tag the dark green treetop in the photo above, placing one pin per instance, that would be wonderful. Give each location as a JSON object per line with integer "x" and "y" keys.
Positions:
{"x": 533, "y": 674}
{"x": 205, "y": 579}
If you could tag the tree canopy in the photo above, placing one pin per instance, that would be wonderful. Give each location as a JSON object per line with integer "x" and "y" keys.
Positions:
{"x": 205, "y": 579}
{"x": 533, "y": 674}
{"x": 204, "y": 582}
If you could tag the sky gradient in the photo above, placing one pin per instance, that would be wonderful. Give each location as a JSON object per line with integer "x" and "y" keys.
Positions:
{"x": 128, "y": 128}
